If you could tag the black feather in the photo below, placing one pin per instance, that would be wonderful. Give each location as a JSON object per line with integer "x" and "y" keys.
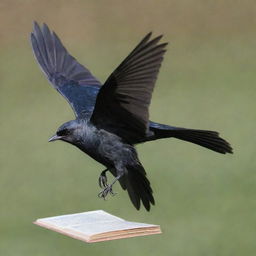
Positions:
{"x": 125, "y": 97}
{"x": 70, "y": 78}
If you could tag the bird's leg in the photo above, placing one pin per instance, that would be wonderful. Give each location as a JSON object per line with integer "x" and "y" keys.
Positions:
{"x": 103, "y": 179}
{"x": 108, "y": 188}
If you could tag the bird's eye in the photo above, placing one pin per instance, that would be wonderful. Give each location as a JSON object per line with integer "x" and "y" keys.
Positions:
{"x": 63, "y": 132}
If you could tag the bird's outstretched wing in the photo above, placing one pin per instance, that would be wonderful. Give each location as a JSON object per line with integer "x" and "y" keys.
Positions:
{"x": 68, "y": 77}
{"x": 123, "y": 101}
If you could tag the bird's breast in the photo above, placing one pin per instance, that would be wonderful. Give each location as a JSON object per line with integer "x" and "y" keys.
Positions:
{"x": 104, "y": 147}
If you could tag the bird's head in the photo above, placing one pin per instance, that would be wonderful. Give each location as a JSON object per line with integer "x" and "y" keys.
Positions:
{"x": 68, "y": 132}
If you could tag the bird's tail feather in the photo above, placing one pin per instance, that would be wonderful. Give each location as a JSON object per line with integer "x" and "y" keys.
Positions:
{"x": 204, "y": 138}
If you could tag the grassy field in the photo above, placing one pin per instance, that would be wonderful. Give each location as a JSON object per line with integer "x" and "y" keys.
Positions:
{"x": 205, "y": 202}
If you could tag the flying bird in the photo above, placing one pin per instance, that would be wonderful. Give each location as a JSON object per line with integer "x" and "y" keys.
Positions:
{"x": 111, "y": 118}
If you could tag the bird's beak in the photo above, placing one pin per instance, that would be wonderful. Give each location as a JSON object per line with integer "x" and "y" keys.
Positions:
{"x": 54, "y": 137}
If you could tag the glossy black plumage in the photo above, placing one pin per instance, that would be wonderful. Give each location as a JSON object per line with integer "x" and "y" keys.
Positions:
{"x": 68, "y": 77}
{"x": 123, "y": 101}
{"x": 112, "y": 117}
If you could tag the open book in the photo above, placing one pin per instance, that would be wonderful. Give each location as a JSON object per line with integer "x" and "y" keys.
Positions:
{"x": 96, "y": 226}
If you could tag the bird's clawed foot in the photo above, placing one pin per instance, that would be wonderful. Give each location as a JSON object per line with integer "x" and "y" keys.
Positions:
{"x": 107, "y": 190}
{"x": 103, "y": 179}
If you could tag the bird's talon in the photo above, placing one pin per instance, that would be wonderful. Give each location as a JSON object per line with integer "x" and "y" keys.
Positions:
{"x": 101, "y": 195}
{"x": 107, "y": 190}
{"x": 103, "y": 180}
{"x": 112, "y": 193}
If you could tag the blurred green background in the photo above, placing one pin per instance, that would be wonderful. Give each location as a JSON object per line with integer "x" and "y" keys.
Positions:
{"x": 205, "y": 202}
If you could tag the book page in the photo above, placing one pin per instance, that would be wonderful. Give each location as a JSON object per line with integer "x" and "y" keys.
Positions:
{"x": 92, "y": 223}
{"x": 93, "y": 229}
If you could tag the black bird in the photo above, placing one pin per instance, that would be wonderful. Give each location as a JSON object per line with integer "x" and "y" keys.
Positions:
{"x": 113, "y": 117}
